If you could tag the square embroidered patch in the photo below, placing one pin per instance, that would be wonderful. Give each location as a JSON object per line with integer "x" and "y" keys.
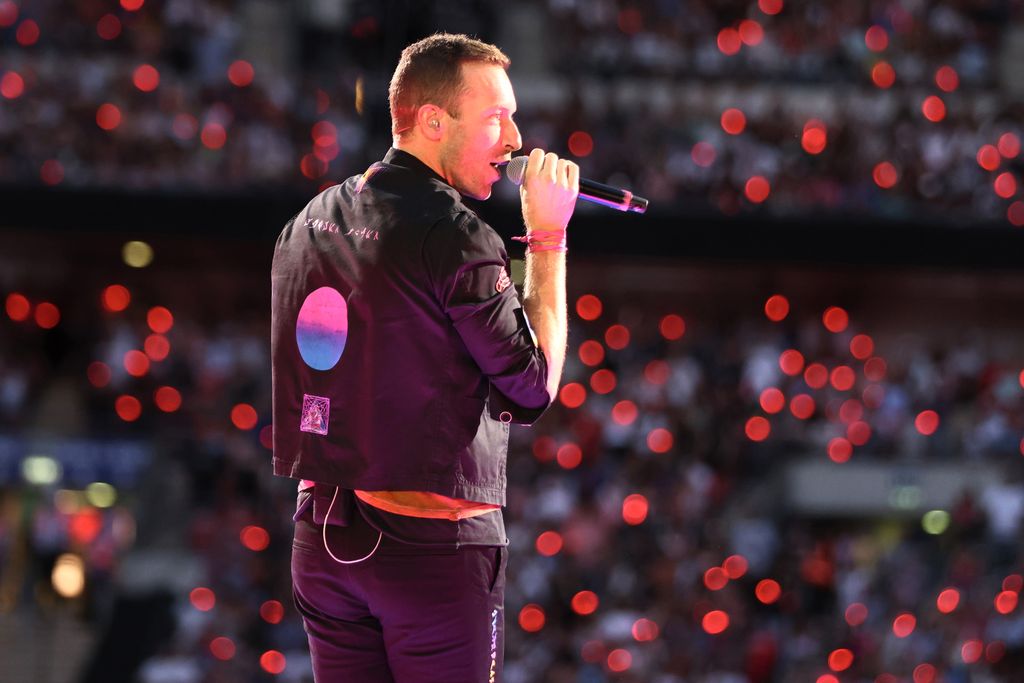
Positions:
{"x": 315, "y": 412}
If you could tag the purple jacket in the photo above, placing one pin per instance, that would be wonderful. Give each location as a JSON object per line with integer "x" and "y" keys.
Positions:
{"x": 399, "y": 346}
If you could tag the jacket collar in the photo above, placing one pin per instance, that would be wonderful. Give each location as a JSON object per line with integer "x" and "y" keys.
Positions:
{"x": 397, "y": 157}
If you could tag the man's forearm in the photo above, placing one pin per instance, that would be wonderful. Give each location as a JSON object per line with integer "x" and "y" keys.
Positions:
{"x": 544, "y": 302}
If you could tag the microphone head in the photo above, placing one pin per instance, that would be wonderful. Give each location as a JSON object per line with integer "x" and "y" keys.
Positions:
{"x": 516, "y": 168}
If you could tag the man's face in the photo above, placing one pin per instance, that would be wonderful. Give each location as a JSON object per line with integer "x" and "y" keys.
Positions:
{"x": 483, "y": 134}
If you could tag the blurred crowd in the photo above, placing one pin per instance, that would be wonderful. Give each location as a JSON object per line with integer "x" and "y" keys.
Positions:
{"x": 894, "y": 109}
{"x": 650, "y": 541}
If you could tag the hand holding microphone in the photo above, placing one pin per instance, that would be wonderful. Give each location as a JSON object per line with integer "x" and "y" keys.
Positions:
{"x": 548, "y": 188}
{"x": 590, "y": 190}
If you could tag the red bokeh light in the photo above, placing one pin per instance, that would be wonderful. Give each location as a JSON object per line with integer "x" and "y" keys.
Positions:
{"x": 243, "y": 416}
{"x": 835, "y": 319}
{"x": 715, "y": 579}
{"x": 757, "y": 428}
{"x": 272, "y": 612}
{"x": 839, "y": 450}
{"x": 924, "y": 673}
{"x": 768, "y": 591}
{"x": 772, "y": 400}
{"x": 624, "y": 412}
{"x": 108, "y": 27}
{"x": 214, "y": 136}
{"x": 1009, "y": 145}
{"x": 588, "y": 307}
{"x": 572, "y": 395}
{"x": 802, "y": 406}
{"x": 273, "y": 662}
{"x": 312, "y": 166}
{"x": 995, "y": 651}
{"x": 241, "y": 73}
{"x": 814, "y": 139}
{"x": 222, "y": 648}
{"x": 672, "y": 327}
{"x": 729, "y": 41}
{"x": 988, "y": 157}
{"x": 591, "y": 353}
{"x": 926, "y": 422}
{"x": 770, "y": 7}
{"x": 159, "y": 319}
{"x": 136, "y": 363}
{"x": 569, "y": 456}
{"x": 634, "y": 509}
{"x": 8, "y": 13}
{"x": 581, "y": 144}
{"x": 267, "y": 437}
{"x": 703, "y": 154}
{"x": 657, "y": 372}
{"x": 791, "y": 362}
{"x": 1005, "y": 185}
{"x": 12, "y": 85}
{"x": 856, "y": 614}
{"x": 324, "y": 133}
{"x": 619, "y": 660}
{"x": 735, "y": 566}
{"x": 1015, "y": 214}
{"x": 826, "y": 678}
{"x": 156, "y": 347}
{"x": 660, "y": 440}
{"x": 128, "y": 408}
{"x": 146, "y": 78}
{"x": 733, "y": 121}
{"x": 933, "y": 108}
{"x": 603, "y": 381}
{"x": 751, "y": 32}
{"x": 549, "y": 543}
{"x": 47, "y": 315}
{"x": 28, "y": 33}
{"x": 971, "y": 651}
{"x": 876, "y": 38}
{"x": 947, "y": 78}
{"x": 873, "y": 396}
{"x": 644, "y": 630}
{"x": 875, "y": 368}
{"x": 843, "y": 377}
{"x": 885, "y": 175}
{"x": 108, "y": 117}
{"x": 18, "y": 307}
{"x": 116, "y": 298}
{"x": 948, "y": 600}
{"x": 531, "y": 618}
{"x": 757, "y": 189}
{"x": 51, "y": 172}
{"x": 862, "y": 346}
{"x": 776, "y": 308}
{"x": 185, "y": 126}
{"x": 585, "y": 602}
{"x": 851, "y": 410}
{"x": 883, "y": 75}
{"x": 1013, "y": 582}
{"x": 167, "y": 399}
{"x": 840, "y": 660}
{"x": 1006, "y": 602}
{"x": 715, "y": 621}
{"x": 132, "y": 5}
{"x": 858, "y": 432}
{"x": 254, "y": 538}
{"x": 98, "y": 374}
{"x": 202, "y": 598}
{"x": 616, "y": 337}
{"x": 904, "y": 625}
{"x": 816, "y": 376}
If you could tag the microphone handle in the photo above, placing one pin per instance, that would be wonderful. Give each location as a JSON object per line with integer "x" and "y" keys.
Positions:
{"x": 613, "y": 197}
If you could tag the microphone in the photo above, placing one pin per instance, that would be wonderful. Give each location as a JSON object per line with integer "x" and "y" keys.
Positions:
{"x": 590, "y": 190}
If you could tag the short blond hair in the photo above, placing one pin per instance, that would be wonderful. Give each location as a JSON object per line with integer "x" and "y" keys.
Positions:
{"x": 430, "y": 72}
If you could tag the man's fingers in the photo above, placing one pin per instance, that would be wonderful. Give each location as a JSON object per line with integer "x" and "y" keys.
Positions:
{"x": 550, "y": 170}
{"x": 573, "y": 175}
{"x": 533, "y": 166}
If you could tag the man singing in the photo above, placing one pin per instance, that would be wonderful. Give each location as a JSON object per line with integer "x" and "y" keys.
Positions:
{"x": 401, "y": 353}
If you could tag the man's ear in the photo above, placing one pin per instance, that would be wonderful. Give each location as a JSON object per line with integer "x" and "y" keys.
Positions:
{"x": 430, "y": 120}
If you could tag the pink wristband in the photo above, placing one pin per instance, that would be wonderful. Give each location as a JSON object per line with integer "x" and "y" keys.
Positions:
{"x": 544, "y": 240}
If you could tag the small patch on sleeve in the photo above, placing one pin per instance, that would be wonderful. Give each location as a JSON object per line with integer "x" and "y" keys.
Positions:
{"x": 503, "y": 282}
{"x": 316, "y": 411}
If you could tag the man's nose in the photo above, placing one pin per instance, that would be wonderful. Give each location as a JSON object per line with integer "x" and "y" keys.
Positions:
{"x": 511, "y": 137}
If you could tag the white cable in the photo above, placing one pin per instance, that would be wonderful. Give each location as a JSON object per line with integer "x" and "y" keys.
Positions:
{"x": 380, "y": 535}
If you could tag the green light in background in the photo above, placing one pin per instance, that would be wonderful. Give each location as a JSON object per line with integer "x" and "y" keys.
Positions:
{"x": 137, "y": 254}
{"x": 100, "y": 494}
{"x": 40, "y": 470}
{"x": 935, "y": 522}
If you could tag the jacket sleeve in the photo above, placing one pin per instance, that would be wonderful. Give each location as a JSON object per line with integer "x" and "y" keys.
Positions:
{"x": 468, "y": 267}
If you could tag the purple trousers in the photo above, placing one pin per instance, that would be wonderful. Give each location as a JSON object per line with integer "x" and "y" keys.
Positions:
{"x": 406, "y": 614}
